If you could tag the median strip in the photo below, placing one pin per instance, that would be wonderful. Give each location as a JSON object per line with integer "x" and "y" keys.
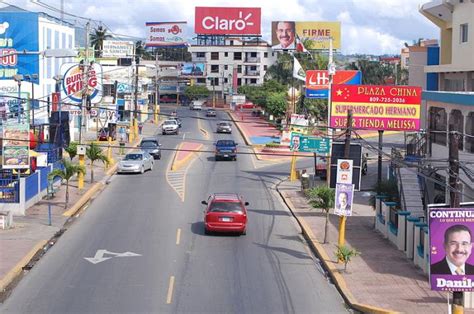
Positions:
{"x": 184, "y": 154}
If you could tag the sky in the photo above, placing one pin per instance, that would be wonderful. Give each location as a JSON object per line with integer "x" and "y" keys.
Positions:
{"x": 367, "y": 26}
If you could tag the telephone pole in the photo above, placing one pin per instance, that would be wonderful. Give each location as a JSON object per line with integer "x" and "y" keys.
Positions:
{"x": 347, "y": 150}
{"x": 85, "y": 90}
{"x": 134, "y": 131}
{"x": 454, "y": 200}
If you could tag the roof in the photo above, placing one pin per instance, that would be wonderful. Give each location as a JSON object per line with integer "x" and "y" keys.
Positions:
{"x": 226, "y": 196}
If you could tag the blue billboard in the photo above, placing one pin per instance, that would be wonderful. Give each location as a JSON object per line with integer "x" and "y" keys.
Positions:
{"x": 18, "y": 33}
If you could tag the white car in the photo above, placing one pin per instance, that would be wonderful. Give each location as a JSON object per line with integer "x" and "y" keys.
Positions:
{"x": 170, "y": 127}
{"x": 136, "y": 162}
{"x": 196, "y": 105}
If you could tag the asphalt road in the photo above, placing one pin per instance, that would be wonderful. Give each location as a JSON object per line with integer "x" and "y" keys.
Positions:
{"x": 171, "y": 266}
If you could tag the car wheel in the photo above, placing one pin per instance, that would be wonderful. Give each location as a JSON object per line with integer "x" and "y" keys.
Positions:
{"x": 206, "y": 231}
{"x": 163, "y": 133}
{"x": 142, "y": 171}
{"x": 244, "y": 232}
{"x": 159, "y": 156}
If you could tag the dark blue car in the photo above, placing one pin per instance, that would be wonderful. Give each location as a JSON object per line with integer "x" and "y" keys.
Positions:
{"x": 226, "y": 149}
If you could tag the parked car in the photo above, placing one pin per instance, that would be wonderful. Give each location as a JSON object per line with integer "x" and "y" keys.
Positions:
{"x": 224, "y": 127}
{"x": 136, "y": 162}
{"x": 225, "y": 213}
{"x": 170, "y": 127}
{"x": 226, "y": 149}
{"x": 151, "y": 145}
{"x": 211, "y": 113}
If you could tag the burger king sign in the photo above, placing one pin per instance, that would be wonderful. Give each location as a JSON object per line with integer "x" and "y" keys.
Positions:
{"x": 74, "y": 76}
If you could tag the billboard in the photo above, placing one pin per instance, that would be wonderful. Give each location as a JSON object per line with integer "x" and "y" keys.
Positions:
{"x": 355, "y": 154}
{"x": 73, "y": 80}
{"x": 18, "y": 32}
{"x": 166, "y": 34}
{"x": 10, "y": 107}
{"x": 117, "y": 48}
{"x": 285, "y": 33}
{"x": 317, "y": 81}
{"x": 451, "y": 261}
{"x": 344, "y": 199}
{"x": 376, "y": 107}
{"x": 16, "y": 148}
{"x": 192, "y": 69}
{"x": 227, "y": 21}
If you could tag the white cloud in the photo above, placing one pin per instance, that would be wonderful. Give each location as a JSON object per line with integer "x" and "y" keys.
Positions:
{"x": 366, "y": 40}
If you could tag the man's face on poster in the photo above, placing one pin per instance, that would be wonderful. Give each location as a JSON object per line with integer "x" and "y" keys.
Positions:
{"x": 285, "y": 33}
{"x": 342, "y": 199}
{"x": 458, "y": 248}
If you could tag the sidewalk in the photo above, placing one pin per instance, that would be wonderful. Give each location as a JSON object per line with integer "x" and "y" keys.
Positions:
{"x": 31, "y": 233}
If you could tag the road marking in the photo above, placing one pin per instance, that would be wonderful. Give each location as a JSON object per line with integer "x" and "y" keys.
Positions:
{"x": 99, "y": 256}
{"x": 178, "y": 236}
{"x": 170, "y": 290}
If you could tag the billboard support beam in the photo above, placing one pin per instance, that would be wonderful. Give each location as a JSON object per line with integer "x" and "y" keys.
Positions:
{"x": 457, "y": 306}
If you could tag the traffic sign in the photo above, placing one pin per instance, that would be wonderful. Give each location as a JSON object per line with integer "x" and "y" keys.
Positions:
{"x": 314, "y": 145}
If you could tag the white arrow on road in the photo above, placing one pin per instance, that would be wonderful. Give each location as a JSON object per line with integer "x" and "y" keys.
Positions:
{"x": 99, "y": 256}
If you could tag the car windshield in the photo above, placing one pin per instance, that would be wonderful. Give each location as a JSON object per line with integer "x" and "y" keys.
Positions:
{"x": 232, "y": 207}
{"x": 170, "y": 122}
{"x": 133, "y": 157}
{"x": 148, "y": 144}
{"x": 225, "y": 143}
{"x": 224, "y": 124}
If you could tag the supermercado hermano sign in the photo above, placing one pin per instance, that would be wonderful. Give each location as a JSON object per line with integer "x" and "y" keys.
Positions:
{"x": 376, "y": 107}
{"x": 451, "y": 261}
{"x": 73, "y": 81}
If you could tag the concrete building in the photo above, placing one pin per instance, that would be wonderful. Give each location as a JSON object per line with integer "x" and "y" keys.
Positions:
{"x": 249, "y": 59}
{"x": 33, "y": 32}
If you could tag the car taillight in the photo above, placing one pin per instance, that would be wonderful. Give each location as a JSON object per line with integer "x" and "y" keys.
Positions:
{"x": 234, "y": 150}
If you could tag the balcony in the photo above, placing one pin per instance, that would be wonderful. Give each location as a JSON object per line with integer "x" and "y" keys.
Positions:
{"x": 252, "y": 60}
{"x": 252, "y": 73}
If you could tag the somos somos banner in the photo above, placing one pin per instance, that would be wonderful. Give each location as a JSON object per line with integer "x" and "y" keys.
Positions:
{"x": 73, "y": 81}
{"x": 166, "y": 34}
{"x": 376, "y": 107}
{"x": 227, "y": 21}
{"x": 451, "y": 261}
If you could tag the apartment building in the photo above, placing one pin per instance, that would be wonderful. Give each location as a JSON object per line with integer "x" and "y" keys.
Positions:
{"x": 249, "y": 59}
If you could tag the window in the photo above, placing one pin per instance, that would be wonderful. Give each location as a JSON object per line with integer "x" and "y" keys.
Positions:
{"x": 231, "y": 42}
{"x": 214, "y": 68}
{"x": 253, "y": 68}
{"x": 226, "y": 66}
{"x": 214, "y": 55}
{"x": 238, "y": 56}
{"x": 239, "y": 68}
{"x": 200, "y": 55}
{"x": 253, "y": 55}
{"x": 226, "y": 80}
{"x": 239, "y": 82}
{"x": 201, "y": 80}
{"x": 253, "y": 81}
{"x": 226, "y": 54}
{"x": 265, "y": 54}
{"x": 216, "y": 81}
{"x": 464, "y": 33}
{"x": 265, "y": 67}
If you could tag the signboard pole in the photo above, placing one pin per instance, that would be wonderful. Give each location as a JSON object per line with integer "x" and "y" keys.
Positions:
{"x": 82, "y": 161}
{"x": 458, "y": 296}
{"x": 329, "y": 131}
{"x": 379, "y": 172}
{"x": 347, "y": 146}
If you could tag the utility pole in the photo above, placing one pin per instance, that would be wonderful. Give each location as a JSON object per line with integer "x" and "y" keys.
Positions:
{"x": 85, "y": 90}
{"x": 454, "y": 200}
{"x": 134, "y": 131}
{"x": 379, "y": 172}
{"x": 331, "y": 72}
{"x": 347, "y": 150}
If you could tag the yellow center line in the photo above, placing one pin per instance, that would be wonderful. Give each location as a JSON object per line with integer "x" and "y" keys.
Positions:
{"x": 178, "y": 236}
{"x": 170, "y": 290}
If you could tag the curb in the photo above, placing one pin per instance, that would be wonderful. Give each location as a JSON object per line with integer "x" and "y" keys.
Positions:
{"x": 178, "y": 164}
{"x": 15, "y": 271}
{"x": 333, "y": 272}
{"x": 246, "y": 139}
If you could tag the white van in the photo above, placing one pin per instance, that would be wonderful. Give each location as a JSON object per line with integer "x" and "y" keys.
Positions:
{"x": 196, "y": 104}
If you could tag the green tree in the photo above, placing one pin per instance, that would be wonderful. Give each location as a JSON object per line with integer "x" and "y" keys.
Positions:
{"x": 196, "y": 91}
{"x": 282, "y": 70}
{"x": 72, "y": 149}
{"x": 66, "y": 173}
{"x": 97, "y": 40}
{"x": 141, "y": 51}
{"x": 276, "y": 104}
{"x": 94, "y": 153}
{"x": 373, "y": 72}
{"x": 317, "y": 108}
{"x": 345, "y": 254}
{"x": 322, "y": 197}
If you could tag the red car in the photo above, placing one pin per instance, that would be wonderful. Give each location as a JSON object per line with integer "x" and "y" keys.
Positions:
{"x": 225, "y": 212}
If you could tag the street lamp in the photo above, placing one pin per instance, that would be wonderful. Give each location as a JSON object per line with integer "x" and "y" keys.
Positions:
{"x": 18, "y": 78}
{"x": 32, "y": 78}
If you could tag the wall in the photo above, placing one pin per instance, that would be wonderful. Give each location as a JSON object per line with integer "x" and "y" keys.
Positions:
{"x": 463, "y": 52}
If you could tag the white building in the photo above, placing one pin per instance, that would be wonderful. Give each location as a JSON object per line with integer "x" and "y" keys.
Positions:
{"x": 251, "y": 60}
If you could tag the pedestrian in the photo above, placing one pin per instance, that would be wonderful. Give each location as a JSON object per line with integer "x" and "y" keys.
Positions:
{"x": 122, "y": 144}
{"x": 140, "y": 128}
{"x": 127, "y": 130}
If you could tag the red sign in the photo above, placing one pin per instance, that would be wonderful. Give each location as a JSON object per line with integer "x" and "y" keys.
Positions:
{"x": 55, "y": 101}
{"x": 319, "y": 79}
{"x": 376, "y": 107}
{"x": 227, "y": 21}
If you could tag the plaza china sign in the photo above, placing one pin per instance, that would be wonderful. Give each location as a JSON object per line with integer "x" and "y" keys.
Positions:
{"x": 376, "y": 107}
{"x": 74, "y": 76}
{"x": 227, "y": 21}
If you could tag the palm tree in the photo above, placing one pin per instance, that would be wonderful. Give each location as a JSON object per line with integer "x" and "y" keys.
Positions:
{"x": 69, "y": 170}
{"x": 322, "y": 197}
{"x": 72, "y": 149}
{"x": 282, "y": 70}
{"x": 97, "y": 40}
{"x": 93, "y": 152}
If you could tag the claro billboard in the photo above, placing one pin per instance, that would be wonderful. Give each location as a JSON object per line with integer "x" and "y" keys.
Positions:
{"x": 227, "y": 21}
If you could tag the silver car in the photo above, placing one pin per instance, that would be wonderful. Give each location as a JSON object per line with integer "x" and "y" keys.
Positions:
{"x": 224, "y": 127}
{"x": 136, "y": 162}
